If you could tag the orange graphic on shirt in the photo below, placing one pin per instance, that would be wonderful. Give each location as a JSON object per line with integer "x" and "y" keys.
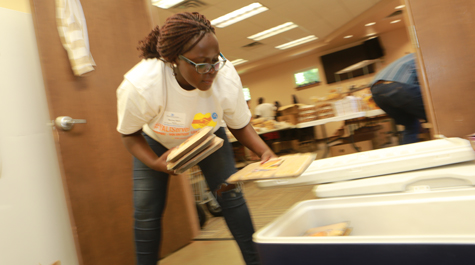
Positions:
{"x": 201, "y": 120}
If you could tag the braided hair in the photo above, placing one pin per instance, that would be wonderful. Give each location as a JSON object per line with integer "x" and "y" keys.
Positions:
{"x": 170, "y": 41}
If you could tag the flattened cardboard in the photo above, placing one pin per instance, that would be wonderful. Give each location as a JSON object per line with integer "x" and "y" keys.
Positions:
{"x": 215, "y": 145}
{"x": 189, "y": 144}
{"x": 185, "y": 158}
{"x": 290, "y": 166}
{"x": 338, "y": 229}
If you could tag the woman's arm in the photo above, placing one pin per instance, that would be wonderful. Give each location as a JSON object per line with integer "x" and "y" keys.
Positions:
{"x": 250, "y": 139}
{"x": 138, "y": 147}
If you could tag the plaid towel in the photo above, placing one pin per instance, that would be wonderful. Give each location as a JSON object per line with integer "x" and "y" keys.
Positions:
{"x": 73, "y": 33}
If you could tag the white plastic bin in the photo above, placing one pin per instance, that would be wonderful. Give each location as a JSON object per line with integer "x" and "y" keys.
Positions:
{"x": 433, "y": 227}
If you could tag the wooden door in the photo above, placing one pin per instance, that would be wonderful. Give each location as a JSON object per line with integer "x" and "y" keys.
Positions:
{"x": 96, "y": 168}
{"x": 443, "y": 35}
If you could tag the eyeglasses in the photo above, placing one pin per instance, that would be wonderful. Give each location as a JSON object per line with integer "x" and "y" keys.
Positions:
{"x": 203, "y": 68}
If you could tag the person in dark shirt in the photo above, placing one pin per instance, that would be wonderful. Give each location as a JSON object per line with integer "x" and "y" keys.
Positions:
{"x": 396, "y": 90}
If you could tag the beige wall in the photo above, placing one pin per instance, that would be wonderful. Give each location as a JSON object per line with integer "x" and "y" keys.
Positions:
{"x": 18, "y": 5}
{"x": 277, "y": 83}
{"x": 33, "y": 206}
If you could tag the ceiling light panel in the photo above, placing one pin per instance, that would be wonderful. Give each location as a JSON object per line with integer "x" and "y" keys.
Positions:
{"x": 238, "y": 15}
{"x": 395, "y": 21}
{"x": 238, "y": 61}
{"x": 273, "y": 31}
{"x": 165, "y": 4}
{"x": 370, "y": 24}
{"x": 296, "y": 42}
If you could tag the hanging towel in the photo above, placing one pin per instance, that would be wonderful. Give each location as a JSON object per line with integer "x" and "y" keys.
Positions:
{"x": 73, "y": 33}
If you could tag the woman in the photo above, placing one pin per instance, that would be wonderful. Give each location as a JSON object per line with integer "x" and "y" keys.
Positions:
{"x": 183, "y": 84}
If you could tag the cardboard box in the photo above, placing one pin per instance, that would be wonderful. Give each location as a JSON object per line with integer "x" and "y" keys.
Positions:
{"x": 295, "y": 145}
{"x": 471, "y": 138}
{"x": 290, "y": 118}
{"x": 344, "y": 149}
{"x": 286, "y": 145}
{"x": 276, "y": 147}
{"x": 308, "y": 146}
{"x": 290, "y": 145}
{"x": 383, "y": 135}
{"x": 289, "y": 109}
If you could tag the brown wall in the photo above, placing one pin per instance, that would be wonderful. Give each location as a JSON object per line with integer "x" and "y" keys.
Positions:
{"x": 445, "y": 40}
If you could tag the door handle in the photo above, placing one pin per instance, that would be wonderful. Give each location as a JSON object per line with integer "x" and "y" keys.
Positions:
{"x": 66, "y": 123}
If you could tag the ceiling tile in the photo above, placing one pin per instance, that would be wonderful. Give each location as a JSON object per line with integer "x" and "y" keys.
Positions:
{"x": 288, "y": 36}
{"x": 212, "y": 2}
{"x": 267, "y": 20}
{"x": 272, "y": 3}
{"x": 230, "y": 5}
{"x": 357, "y": 7}
{"x": 314, "y": 17}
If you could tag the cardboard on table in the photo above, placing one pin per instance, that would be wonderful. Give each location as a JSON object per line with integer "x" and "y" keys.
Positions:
{"x": 289, "y": 118}
{"x": 289, "y": 109}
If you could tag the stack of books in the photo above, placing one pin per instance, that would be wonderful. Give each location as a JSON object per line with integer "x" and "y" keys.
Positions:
{"x": 193, "y": 150}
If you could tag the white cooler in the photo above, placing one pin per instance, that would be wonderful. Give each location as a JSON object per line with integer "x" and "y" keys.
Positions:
{"x": 417, "y": 217}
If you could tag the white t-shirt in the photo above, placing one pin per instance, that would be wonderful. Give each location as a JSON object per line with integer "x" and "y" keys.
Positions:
{"x": 151, "y": 99}
{"x": 265, "y": 110}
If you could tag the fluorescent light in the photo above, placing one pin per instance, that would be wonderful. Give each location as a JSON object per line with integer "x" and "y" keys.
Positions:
{"x": 273, "y": 31}
{"x": 370, "y": 24}
{"x": 349, "y": 36}
{"x": 395, "y": 21}
{"x": 296, "y": 42}
{"x": 238, "y": 61}
{"x": 238, "y": 15}
{"x": 165, "y": 4}
{"x": 399, "y": 7}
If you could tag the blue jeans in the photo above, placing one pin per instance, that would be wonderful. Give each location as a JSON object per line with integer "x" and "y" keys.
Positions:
{"x": 403, "y": 103}
{"x": 150, "y": 190}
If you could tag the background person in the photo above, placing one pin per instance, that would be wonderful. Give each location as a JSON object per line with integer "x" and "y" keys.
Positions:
{"x": 396, "y": 90}
{"x": 277, "y": 112}
{"x": 183, "y": 84}
{"x": 264, "y": 110}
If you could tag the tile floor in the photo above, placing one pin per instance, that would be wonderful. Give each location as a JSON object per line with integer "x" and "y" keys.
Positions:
{"x": 215, "y": 246}
{"x": 206, "y": 252}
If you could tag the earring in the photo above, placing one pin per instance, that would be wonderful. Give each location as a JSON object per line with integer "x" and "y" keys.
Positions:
{"x": 174, "y": 69}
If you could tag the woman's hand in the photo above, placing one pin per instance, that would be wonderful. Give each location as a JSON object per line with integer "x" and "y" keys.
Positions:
{"x": 138, "y": 147}
{"x": 161, "y": 163}
{"x": 249, "y": 138}
{"x": 268, "y": 154}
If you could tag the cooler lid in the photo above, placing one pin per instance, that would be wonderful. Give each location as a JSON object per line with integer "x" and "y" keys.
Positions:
{"x": 385, "y": 161}
{"x": 459, "y": 175}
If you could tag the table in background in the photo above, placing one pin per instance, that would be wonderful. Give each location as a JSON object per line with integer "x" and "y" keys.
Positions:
{"x": 352, "y": 117}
